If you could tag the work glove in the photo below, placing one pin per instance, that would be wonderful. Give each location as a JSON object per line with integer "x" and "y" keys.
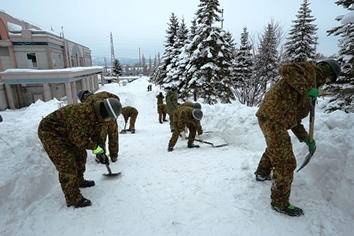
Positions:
{"x": 98, "y": 150}
{"x": 313, "y": 93}
{"x": 312, "y": 145}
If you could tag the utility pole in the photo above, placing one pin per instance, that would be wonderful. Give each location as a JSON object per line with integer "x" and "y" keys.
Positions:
{"x": 222, "y": 18}
{"x": 112, "y": 51}
{"x": 139, "y": 62}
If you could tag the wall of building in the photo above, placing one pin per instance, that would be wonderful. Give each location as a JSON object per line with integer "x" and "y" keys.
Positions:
{"x": 3, "y": 100}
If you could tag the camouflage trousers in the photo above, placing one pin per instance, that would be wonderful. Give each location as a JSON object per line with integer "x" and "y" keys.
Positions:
{"x": 132, "y": 121}
{"x": 69, "y": 161}
{"x": 279, "y": 158}
{"x": 176, "y": 133}
{"x": 170, "y": 115}
{"x": 110, "y": 129}
{"x": 161, "y": 109}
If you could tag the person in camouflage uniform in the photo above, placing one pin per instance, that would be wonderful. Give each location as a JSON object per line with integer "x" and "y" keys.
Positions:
{"x": 132, "y": 113}
{"x": 172, "y": 104}
{"x": 66, "y": 134}
{"x": 283, "y": 108}
{"x": 194, "y": 105}
{"x": 186, "y": 116}
{"x": 110, "y": 128}
{"x": 161, "y": 108}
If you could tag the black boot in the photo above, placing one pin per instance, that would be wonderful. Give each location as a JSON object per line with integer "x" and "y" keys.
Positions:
{"x": 193, "y": 146}
{"x": 87, "y": 183}
{"x": 83, "y": 203}
{"x": 290, "y": 210}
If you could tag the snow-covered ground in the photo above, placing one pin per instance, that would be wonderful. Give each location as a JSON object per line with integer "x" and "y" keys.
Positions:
{"x": 205, "y": 191}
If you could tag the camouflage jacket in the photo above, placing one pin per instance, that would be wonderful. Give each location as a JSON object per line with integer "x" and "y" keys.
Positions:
{"x": 160, "y": 98}
{"x": 112, "y": 126}
{"x": 171, "y": 101}
{"x": 287, "y": 102}
{"x": 76, "y": 124}
{"x": 183, "y": 116}
{"x": 100, "y": 96}
{"x": 128, "y": 111}
{"x": 189, "y": 104}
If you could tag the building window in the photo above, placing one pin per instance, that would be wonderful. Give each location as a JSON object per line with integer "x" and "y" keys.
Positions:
{"x": 60, "y": 62}
{"x": 31, "y": 60}
{"x": 54, "y": 61}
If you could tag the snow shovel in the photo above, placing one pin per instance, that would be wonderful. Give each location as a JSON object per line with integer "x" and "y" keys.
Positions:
{"x": 311, "y": 131}
{"x": 216, "y": 146}
{"x": 124, "y": 131}
{"x": 110, "y": 174}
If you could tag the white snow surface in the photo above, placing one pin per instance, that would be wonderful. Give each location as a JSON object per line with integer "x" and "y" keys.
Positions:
{"x": 205, "y": 191}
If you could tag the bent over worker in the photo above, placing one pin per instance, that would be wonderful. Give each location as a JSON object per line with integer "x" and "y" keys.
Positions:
{"x": 110, "y": 128}
{"x": 66, "y": 134}
{"x": 186, "y": 116}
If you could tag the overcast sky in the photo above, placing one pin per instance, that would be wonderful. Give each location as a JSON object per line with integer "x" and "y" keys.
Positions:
{"x": 142, "y": 24}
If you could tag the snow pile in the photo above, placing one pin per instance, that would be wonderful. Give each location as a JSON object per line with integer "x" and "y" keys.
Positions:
{"x": 205, "y": 191}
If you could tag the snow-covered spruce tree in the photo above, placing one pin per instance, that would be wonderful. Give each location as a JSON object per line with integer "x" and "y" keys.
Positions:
{"x": 174, "y": 73}
{"x": 184, "y": 91}
{"x": 117, "y": 68}
{"x": 245, "y": 83}
{"x": 267, "y": 60}
{"x": 167, "y": 57}
{"x": 302, "y": 40}
{"x": 154, "y": 72}
{"x": 343, "y": 89}
{"x": 208, "y": 72}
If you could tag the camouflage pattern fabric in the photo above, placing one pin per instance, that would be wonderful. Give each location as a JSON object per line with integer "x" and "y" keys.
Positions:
{"x": 132, "y": 113}
{"x": 189, "y": 104}
{"x": 283, "y": 108}
{"x": 66, "y": 134}
{"x": 162, "y": 110}
{"x": 160, "y": 98}
{"x": 183, "y": 118}
{"x": 110, "y": 128}
{"x": 172, "y": 104}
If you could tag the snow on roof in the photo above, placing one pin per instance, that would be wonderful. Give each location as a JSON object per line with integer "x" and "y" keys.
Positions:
{"x": 71, "y": 69}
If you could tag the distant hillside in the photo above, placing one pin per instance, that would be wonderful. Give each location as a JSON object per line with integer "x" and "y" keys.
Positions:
{"x": 99, "y": 61}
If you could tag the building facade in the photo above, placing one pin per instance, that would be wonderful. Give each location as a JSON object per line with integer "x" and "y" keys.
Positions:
{"x": 38, "y": 64}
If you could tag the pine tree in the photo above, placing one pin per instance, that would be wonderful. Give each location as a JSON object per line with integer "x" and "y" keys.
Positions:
{"x": 161, "y": 72}
{"x": 208, "y": 72}
{"x": 243, "y": 66}
{"x": 302, "y": 40}
{"x": 267, "y": 59}
{"x": 344, "y": 88}
{"x": 174, "y": 74}
{"x": 117, "y": 68}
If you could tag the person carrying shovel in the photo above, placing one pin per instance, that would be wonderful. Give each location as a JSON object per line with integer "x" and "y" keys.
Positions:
{"x": 283, "y": 108}
{"x": 67, "y": 133}
{"x": 110, "y": 129}
{"x": 129, "y": 113}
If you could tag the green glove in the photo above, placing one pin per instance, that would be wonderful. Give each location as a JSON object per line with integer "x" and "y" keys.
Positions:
{"x": 98, "y": 150}
{"x": 313, "y": 93}
{"x": 312, "y": 145}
